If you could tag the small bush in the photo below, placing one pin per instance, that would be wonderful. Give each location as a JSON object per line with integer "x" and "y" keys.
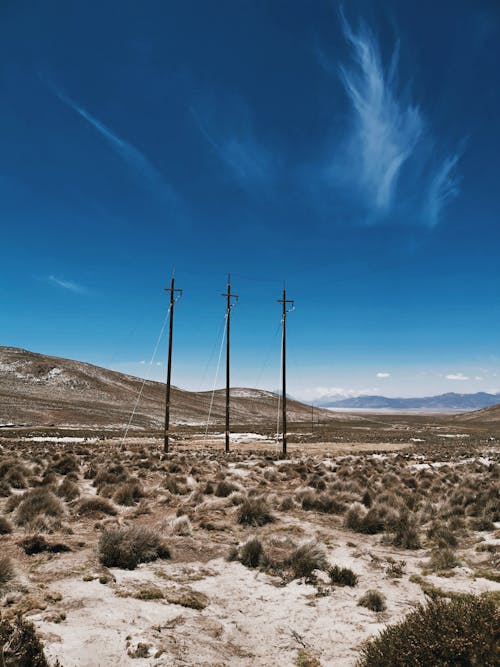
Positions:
{"x": 67, "y": 463}
{"x": 35, "y": 544}
{"x": 254, "y": 511}
{"x": 307, "y": 558}
{"x": 251, "y": 552}
{"x": 373, "y": 600}
{"x": 128, "y": 493}
{"x": 5, "y": 526}
{"x": 224, "y": 489}
{"x": 363, "y": 520}
{"x": 182, "y": 526}
{"x": 19, "y": 645}
{"x": 443, "y": 559}
{"x": 462, "y": 631}
{"x": 127, "y": 547}
{"x": 342, "y": 576}
{"x": 96, "y": 506}
{"x": 38, "y": 501}
{"x": 68, "y": 490}
{"x": 6, "y": 571}
{"x": 405, "y": 530}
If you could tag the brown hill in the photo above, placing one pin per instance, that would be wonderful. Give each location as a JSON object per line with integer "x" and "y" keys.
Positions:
{"x": 39, "y": 390}
{"x": 485, "y": 416}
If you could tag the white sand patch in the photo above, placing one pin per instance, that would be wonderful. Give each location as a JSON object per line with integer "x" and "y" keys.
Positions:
{"x": 66, "y": 438}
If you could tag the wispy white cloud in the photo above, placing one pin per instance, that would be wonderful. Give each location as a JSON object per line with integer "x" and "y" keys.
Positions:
{"x": 385, "y": 128}
{"x": 456, "y": 376}
{"x": 129, "y": 153}
{"x": 69, "y": 285}
{"x": 229, "y": 131}
{"x": 390, "y": 160}
{"x": 383, "y": 375}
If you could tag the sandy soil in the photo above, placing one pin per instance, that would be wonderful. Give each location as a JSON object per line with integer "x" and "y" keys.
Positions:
{"x": 89, "y": 616}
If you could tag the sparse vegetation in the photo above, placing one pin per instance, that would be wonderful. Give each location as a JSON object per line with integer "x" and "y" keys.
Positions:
{"x": 342, "y": 576}
{"x": 6, "y": 571}
{"x": 96, "y": 506}
{"x": 458, "y": 632}
{"x": 127, "y": 547}
{"x": 254, "y": 512}
{"x": 36, "y": 502}
{"x": 307, "y": 558}
{"x": 373, "y": 600}
{"x": 19, "y": 645}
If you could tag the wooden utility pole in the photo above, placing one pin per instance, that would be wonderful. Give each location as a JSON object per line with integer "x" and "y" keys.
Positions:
{"x": 284, "y": 301}
{"x": 173, "y": 300}
{"x": 229, "y": 307}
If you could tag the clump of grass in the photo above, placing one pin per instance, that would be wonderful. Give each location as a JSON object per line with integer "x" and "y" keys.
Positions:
{"x": 442, "y": 535}
{"x": 35, "y": 544}
{"x": 181, "y": 525}
{"x": 96, "y": 506}
{"x": 128, "y": 493}
{"x": 306, "y": 658}
{"x": 373, "y": 600}
{"x": 251, "y": 552}
{"x": 462, "y": 631}
{"x": 443, "y": 558}
{"x": 363, "y": 520}
{"x": 342, "y": 576}
{"x": 6, "y": 571}
{"x": 36, "y": 502}
{"x": 66, "y": 464}
{"x": 307, "y": 558}
{"x": 68, "y": 490}
{"x": 19, "y": 645}
{"x": 405, "y": 530}
{"x": 224, "y": 489}
{"x": 5, "y": 526}
{"x": 127, "y": 547}
{"x": 254, "y": 511}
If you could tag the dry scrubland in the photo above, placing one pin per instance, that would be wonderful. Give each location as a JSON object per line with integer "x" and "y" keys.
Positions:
{"x": 119, "y": 555}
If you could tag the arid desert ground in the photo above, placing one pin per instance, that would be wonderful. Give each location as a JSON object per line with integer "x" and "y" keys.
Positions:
{"x": 123, "y": 555}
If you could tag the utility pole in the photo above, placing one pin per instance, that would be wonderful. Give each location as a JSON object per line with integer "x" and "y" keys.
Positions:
{"x": 285, "y": 312}
{"x": 312, "y": 416}
{"x": 229, "y": 307}
{"x": 173, "y": 300}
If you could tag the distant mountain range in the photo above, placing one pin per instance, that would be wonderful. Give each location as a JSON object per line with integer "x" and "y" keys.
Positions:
{"x": 444, "y": 402}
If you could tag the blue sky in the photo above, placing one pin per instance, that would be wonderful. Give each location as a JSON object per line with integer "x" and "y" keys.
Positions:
{"x": 349, "y": 150}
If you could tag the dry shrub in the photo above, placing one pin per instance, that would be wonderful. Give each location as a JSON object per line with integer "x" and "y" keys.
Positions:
{"x": 373, "y": 600}
{"x": 5, "y": 526}
{"x": 64, "y": 465}
{"x": 443, "y": 558}
{"x": 68, "y": 490}
{"x": 127, "y": 547}
{"x": 182, "y": 526}
{"x": 442, "y": 535}
{"x": 224, "y": 489}
{"x": 35, "y": 544}
{"x": 6, "y": 571}
{"x": 405, "y": 530}
{"x": 363, "y": 520}
{"x": 342, "y": 576}
{"x": 96, "y": 506}
{"x": 19, "y": 645}
{"x": 322, "y": 502}
{"x": 129, "y": 493}
{"x": 251, "y": 552}
{"x": 307, "y": 558}
{"x": 463, "y": 631}
{"x": 254, "y": 512}
{"x": 36, "y": 502}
